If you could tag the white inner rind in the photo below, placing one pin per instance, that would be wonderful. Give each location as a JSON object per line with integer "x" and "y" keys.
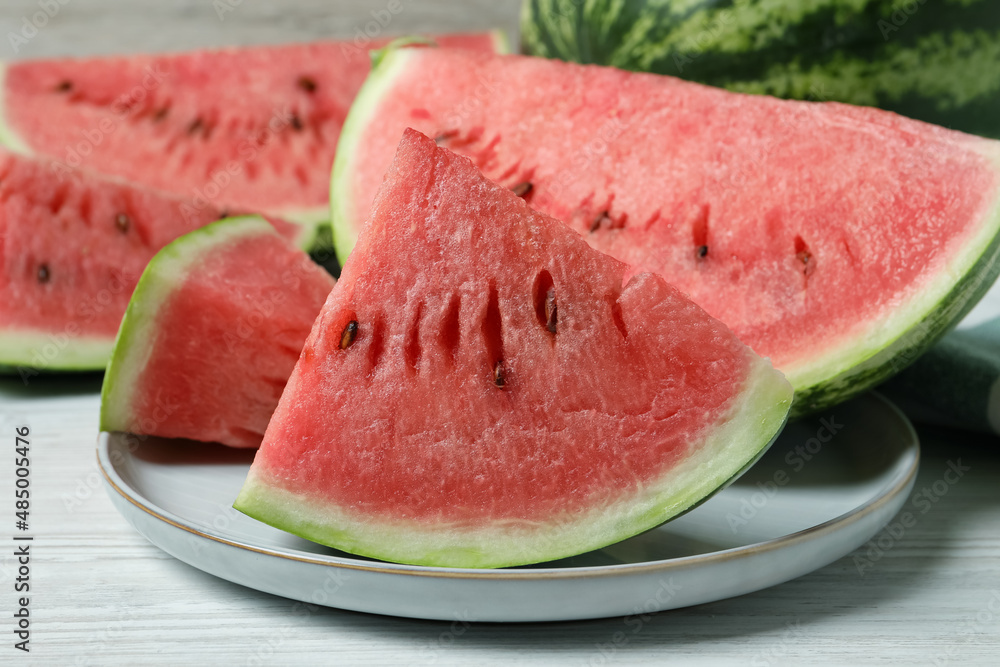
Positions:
{"x": 725, "y": 450}
{"x": 33, "y": 350}
{"x": 501, "y": 42}
{"x": 8, "y": 137}
{"x": 165, "y": 273}
{"x": 309, "y": 221}
{"x": 342, "y": 204}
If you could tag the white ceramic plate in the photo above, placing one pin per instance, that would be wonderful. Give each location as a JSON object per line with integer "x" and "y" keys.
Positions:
{"x": 823, "y": 489}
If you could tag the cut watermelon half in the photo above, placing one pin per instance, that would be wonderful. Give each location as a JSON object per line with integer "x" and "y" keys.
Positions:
{"x": 482, "y": 389}
{"x": 838, "y": 241}
{"x": 244, "y": 129}
{"x": 211, "y": 335}
{"x": 72, "y": 247}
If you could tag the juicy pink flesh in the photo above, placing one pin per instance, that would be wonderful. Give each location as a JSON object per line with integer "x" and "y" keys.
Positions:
{"x": 448, "y": 280}
{"x": 795, "y": 224}
{"x": 254, "y": 128}
{"x": 73, "y": 245}
{"x": 226, "y": 341}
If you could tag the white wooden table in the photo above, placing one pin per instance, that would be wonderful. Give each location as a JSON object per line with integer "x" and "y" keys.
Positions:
{"x": 102, "y": 595}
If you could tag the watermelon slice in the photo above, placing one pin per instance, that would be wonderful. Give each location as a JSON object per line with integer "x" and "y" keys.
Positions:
{"x": 248, "y": 129}
{"x": 72, "y": 247}
{"x": 212, "y": 334}
{"x": 482, "y": 389}
{"x": 838, "y": 241}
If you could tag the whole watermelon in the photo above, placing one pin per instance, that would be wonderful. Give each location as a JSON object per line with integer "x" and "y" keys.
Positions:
{"x": 934, "y": 60}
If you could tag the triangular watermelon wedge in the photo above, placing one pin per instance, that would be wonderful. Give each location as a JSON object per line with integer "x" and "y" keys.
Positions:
{"x": 211, "y": 335}
{"x": 482, "y": 390}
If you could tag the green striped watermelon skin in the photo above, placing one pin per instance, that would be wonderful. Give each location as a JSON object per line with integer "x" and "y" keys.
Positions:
{"x": 934, "y": 60}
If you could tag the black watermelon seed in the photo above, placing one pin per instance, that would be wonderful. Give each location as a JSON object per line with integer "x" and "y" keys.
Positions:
{"x": 551, "y": 311}
{"x": 296, "y": 123}
{"x": 196, "y": 125}
{"x": 122, "y": 222}
{"x": 64, "y": 86}
{"x": 498, "y": 377}
{"x": 597, "y": 222}
{"x": 307, "y": 84}
{"x": 702, "y": 251}
{"x": 224, "y": 214}
{"x": 160, "y": 114}
{"x": 349, "y": 334}
{"x": 522, "y": 189}
{"x": 43, "y": 273}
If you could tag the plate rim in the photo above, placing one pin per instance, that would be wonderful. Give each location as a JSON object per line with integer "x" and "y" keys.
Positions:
{"x": 121, "y": 487}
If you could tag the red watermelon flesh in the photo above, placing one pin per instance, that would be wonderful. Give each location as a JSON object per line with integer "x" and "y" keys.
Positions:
{"x": 832, "y": 239}
{"x": 249, "y": 128}
{"x": 483, "y": 389}
{"x": 72, "y": 247}
{"x": 211, "y": 335}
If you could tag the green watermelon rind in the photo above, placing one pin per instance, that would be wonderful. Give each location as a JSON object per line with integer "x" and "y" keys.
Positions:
{"x": 848, "y": 370}
{"x": 723, "y": 452}
{"x": 380, "y": 78}
{"x": 891, "y": 346}
{"x": 399, "y": 43}
{"x": 320, "y": 219}
{"x": 498, "y": 37}
{"x": 501, "y": 41}
{"x": 137, "y": 335}
{"x": 341, "y": 200}
{"x": 313, "y": 223}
